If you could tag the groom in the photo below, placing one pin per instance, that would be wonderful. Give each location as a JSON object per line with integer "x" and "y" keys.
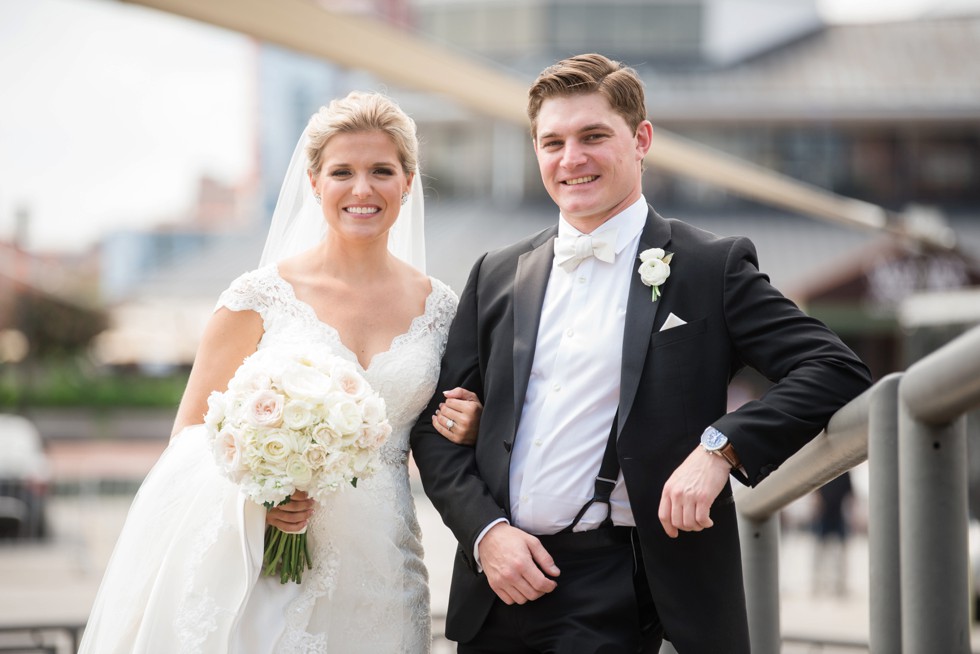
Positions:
{"x": 595, "y": 511}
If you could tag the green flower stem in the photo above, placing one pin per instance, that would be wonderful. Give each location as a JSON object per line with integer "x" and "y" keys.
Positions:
{"x": 286, "y": 555}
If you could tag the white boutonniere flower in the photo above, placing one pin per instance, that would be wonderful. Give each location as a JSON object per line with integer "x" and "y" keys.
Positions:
{"x": 655, "y": 269}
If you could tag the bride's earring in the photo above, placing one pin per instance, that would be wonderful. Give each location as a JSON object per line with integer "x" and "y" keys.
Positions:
{"x": 318, "y": 199}
{"x": 404, "y": 197}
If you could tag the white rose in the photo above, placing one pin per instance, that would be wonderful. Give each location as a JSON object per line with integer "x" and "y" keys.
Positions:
{"x": 305, "y": 383}
{"x": 316, "y": 456}
{"x": 351, "y": 383}
{"x": 274, "y": 447}
{"x": 250, "y": 447}
{"x": 250, "y": 377}
{"x": 227, "y": 449}
{"x": 373, "y": 409}
{"x": 325, "y": 435}
{"x": 654, "y": 272}
{"x": 264, "y": 408}
{"x": 345, "y": 417}
{"x": 374, "y": 436}
{"x": 297, "y": 414}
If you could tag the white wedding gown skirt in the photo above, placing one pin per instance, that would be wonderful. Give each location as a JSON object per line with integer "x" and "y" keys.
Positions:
{"x": 185, "y": 574}
{"x": 180, "y": 569}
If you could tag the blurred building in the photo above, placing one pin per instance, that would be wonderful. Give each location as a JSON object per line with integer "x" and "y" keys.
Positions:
{"x": 49, "y": 303}
{"x": 888, "y": 113}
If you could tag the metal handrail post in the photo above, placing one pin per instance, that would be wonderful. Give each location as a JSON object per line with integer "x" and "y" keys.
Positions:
{"x": 946, "y": 384}
{"x": 934, "y": 396}
{"x": 760, "y": 567}
{"x": 933, "y": 528}
{"x": 839, "y": 448}
{"x": 885, "y": 611}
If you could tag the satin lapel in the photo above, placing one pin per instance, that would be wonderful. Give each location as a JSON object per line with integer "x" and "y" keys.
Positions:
{"x": 530, "y": 284}
{"x": 641, "y": 313}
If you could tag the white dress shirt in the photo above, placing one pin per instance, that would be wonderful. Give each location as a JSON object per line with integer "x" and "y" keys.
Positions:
{"x": 573, "y": 391}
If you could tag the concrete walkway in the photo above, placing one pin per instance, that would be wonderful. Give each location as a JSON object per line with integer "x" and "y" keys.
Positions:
{"x": 55, "y": 582}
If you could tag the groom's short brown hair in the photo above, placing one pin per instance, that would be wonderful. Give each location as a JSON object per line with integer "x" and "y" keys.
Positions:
{"x": 590, "y": 73}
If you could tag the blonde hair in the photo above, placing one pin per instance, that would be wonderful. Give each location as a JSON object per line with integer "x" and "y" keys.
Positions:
{"x": 590, "y": 73}
{"x": 362, "y": 112}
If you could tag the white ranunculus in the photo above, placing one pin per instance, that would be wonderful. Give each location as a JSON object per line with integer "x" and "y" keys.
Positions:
{"x": 651, "y": 254}
{"x": 265, "y": 408}
{"x": 654, "y": 272}
{"x": 345, "y": 417}
{"x": 299, "y": 471}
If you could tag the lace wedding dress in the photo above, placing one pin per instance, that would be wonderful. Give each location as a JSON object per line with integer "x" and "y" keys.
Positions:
{"x": 184, "y": 576}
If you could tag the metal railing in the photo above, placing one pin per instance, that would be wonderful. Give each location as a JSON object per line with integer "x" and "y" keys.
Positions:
{"x": 911, "y": 427}
{"x": 46, "y": 639}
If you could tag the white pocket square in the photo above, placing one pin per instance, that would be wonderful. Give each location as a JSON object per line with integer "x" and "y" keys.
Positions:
{"x": 671, "y": 322}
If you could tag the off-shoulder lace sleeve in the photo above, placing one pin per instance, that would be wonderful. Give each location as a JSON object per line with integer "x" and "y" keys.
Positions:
{"x": 258, "y": 290}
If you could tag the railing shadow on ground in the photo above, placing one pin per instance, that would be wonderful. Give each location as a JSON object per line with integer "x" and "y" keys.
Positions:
{"x": 911, "y": 427}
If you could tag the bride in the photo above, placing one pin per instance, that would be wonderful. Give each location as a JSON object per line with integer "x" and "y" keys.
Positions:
{"x": 185, "y": 573}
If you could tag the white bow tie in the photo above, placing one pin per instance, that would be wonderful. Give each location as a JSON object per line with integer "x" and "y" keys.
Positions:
{"x": 571, "y": 250}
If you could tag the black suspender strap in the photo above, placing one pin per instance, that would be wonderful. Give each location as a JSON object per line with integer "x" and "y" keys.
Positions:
{"x": 605, "y": 481}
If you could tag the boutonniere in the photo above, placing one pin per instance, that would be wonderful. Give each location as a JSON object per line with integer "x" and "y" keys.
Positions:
{"x": 655, "y": 269}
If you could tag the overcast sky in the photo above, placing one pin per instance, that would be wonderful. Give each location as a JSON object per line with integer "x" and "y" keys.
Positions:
{"x": 110, "y": 112}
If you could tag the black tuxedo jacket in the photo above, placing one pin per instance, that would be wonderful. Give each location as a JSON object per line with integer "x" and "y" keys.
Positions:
{"x": 673, "y": 385}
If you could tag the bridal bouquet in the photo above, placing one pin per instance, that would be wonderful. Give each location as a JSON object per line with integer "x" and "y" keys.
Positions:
{"x": 295, "y": 420}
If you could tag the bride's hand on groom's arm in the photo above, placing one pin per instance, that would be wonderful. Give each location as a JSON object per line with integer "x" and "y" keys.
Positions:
{"x": 458, "y": 418}
{"x": 293, "y": 515}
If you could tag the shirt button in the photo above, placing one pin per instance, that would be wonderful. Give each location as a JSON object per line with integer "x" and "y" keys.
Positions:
{"x": 538, "y": 442}
{"x": 581, "y": 280}
{"x": 556, "y": 387}
{"x": 569, "y": 332}
{"x": 524, "y": 498}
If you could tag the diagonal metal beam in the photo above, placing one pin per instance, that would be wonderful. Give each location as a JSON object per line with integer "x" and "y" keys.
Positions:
{"x": 361, "y": 42}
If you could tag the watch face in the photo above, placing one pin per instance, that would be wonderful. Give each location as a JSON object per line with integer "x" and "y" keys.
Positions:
{"x": 712, "y": 439}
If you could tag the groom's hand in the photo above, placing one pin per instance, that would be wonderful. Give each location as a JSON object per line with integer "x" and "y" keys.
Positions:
{"x": 690, "y": 492}
{"x": 515, "y": 563}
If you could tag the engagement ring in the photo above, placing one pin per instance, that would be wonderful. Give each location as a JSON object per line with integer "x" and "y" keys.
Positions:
{"x": 450, "y": 423}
